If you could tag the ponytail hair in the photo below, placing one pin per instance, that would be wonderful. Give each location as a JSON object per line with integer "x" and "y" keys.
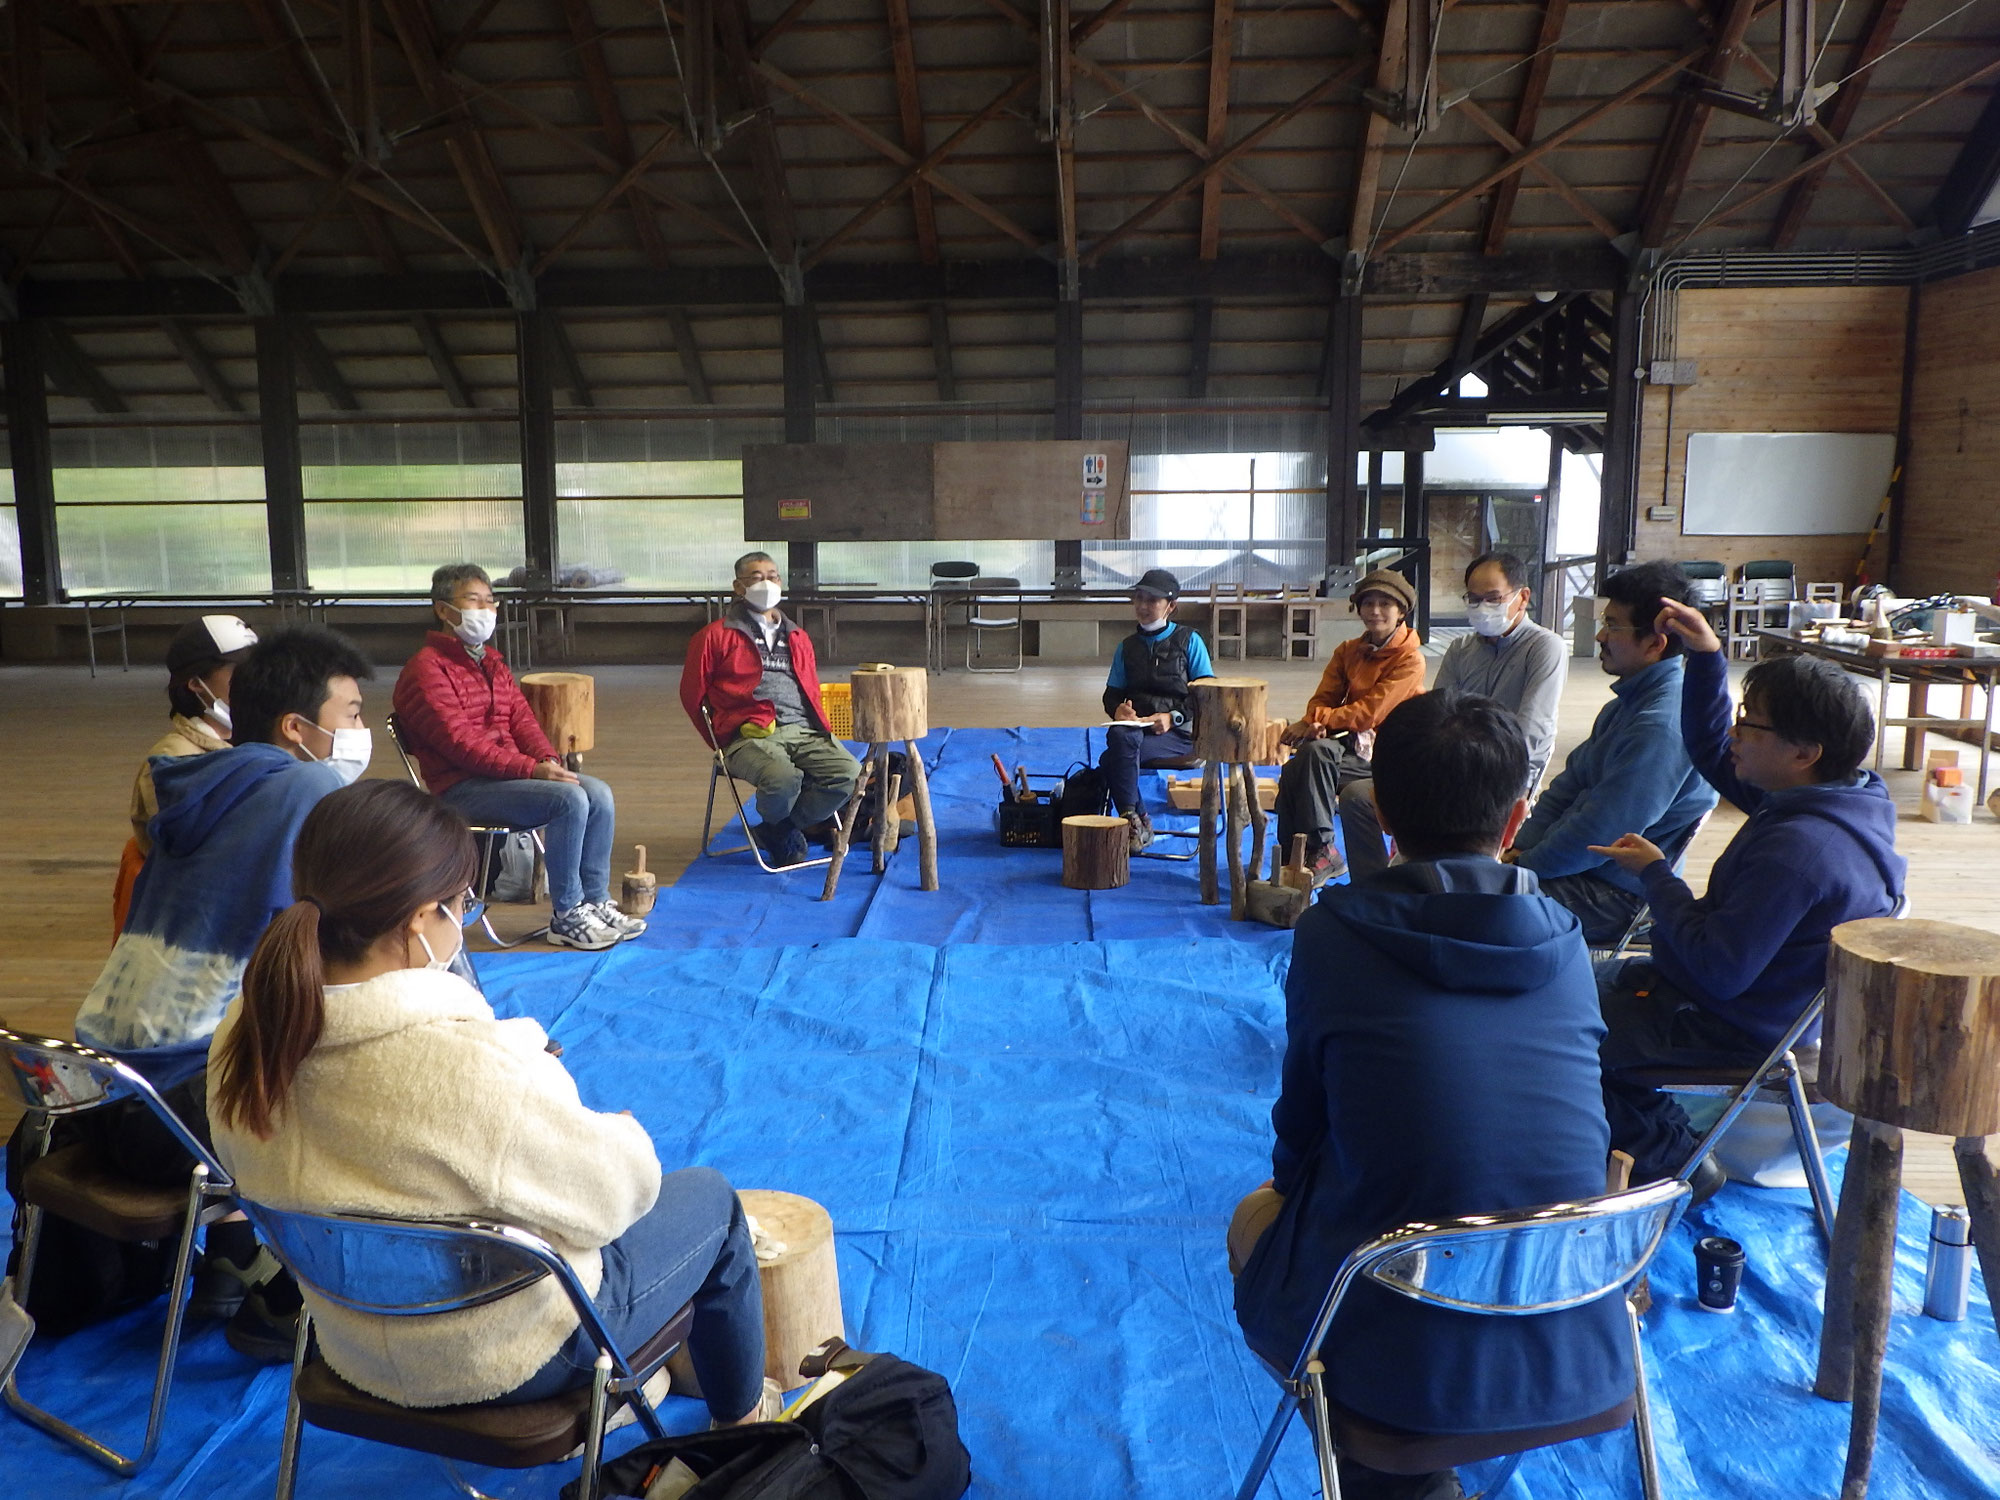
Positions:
{"x": 367, "y": 857}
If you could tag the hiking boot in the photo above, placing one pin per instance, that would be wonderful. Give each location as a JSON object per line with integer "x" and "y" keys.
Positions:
{"x": 782, "y": 843}
{"x": 1324, "y": 861}
{"x": 581, "y": 927}
{"x": 1139, "y": 830}
{"x": 626, "y": 927}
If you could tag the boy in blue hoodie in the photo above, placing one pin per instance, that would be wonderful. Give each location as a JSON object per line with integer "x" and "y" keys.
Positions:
{"x": 1732, "y": 970}
{"x": 1441, "y": 1049}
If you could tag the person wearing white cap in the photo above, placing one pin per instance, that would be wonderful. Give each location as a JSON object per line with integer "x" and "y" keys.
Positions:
{"x": 201, "y": 659}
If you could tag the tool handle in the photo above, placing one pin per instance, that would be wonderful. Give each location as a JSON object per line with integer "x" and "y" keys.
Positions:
{"x": 1000, "y": 770}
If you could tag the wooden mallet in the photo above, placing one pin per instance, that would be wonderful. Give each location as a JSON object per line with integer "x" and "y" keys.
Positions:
{"x": 642, "y": 888}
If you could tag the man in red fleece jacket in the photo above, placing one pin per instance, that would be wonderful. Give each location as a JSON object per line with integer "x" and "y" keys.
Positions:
{"x": 481, "y": 750}
{"x": 755, "y": 671}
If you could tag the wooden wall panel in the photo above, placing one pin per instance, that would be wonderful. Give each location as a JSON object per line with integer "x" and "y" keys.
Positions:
{"x": 859, "y": 492}
{"x": 1808, "y": 359}
{"x": 1032, "y": 490}
{"x": 1951, "y": 517}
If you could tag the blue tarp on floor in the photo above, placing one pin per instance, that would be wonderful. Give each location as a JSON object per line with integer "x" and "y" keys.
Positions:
{"x": 1031, "y": 1148}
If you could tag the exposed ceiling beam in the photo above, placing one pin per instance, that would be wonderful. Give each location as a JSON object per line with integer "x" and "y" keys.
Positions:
{"x": 1389, "y": 55}
{"x": 466, "y": 146}
{"x": 1221, "y": 47}
{"x": 1060, "y": 97}
{"x": 431, "y": 339}
{"x": 569, "y": 368}
{"x": 1821, "y": 137}
{"x": 1857, "y": 68}
{"x": 1554, "y": 141}
{"x": 1200, "y": 342}
{"x": 1973, "y": 174}
{"x": 207, "y": 374}
{"x": 822, "y": 371}
{"x": 1527, "y": 116}
{"x": 30, "y": 102}
{"x": 1493, "y": 341}
{"x": 937, "y": 154}
{"x": 317, "y": 365}
{"x": 74, "y": 373}
{"x": 1470, "y": 320}
{"x": 780, "y": 223}
{"x": 682, "y": 328}
{"x": 910, "y": 115}
{"x": 1854, "y": 142}
{"x": 1687, "y": 123}
{"x": 1338, "y": 79}
{"x": 449, "y": 53}
{"x": 1507, "y": 141}
{"x": 779, "y": 27}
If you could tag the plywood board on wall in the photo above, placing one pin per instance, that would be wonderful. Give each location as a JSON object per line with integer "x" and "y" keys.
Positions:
{"x": 1003, "y": 491}
{"x": 837, "y": 492}
{"x": 1806, "y": 359}
{"x": 1951, "y": 492}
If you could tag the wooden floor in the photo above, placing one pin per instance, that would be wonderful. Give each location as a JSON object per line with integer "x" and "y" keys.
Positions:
{"x": 77, "y": 742}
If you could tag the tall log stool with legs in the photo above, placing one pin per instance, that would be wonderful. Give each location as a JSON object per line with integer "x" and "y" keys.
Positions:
{"x": 565, "y": 705}
{"x": 1229, "y": 737}
{"x": 1912, "y": 1043}
{"x": 890, "y": 703}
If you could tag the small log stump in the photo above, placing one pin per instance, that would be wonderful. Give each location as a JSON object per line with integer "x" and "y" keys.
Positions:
{"x": 565, "y": 705}
{"x": 1096, "y": 852}
{"x": 891, "y": 703}
{"x": 642, "y": 887}
{"x": 1912, "y": 1042}
{"x": 802, "y": 1286}
{"x": 1228, "y": 717}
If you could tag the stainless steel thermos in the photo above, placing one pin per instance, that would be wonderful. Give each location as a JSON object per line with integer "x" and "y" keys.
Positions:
{"x": 1948, "y": 1278}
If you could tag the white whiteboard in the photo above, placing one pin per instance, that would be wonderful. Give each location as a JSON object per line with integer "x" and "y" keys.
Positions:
{"x": 1785, "y": 483}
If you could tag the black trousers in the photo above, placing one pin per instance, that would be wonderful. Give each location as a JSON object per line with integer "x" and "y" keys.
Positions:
{"x": 1127, "y": 750}
{"x": 1309, "y": 788}
{"x": 1605, "y": 910}
{"x": 1650, "y": 1024}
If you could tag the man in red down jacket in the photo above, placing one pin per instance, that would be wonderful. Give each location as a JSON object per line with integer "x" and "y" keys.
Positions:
{"x": 481, "y": 750}
{"x": 755, "y": 671}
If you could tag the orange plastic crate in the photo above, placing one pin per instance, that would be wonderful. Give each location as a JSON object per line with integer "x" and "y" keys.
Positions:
{"x": 837, "y": 698}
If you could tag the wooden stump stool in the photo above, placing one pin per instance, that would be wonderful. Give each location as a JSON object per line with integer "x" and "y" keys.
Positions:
{"x": 1229, "y": 738}
{"x": 890, "y": 703}
{"x": 565, "y": 705}
{"x": 1912, "y": 1043}
{"x": 802, "y": 1286}
{"x": 1097, "y": 852}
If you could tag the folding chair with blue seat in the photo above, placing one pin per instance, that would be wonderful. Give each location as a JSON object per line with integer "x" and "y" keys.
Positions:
{"x": 1514, "y": 1264}
{"x": 718, "y": 770}
{"x": 400, "y": 1268}
{"x": 57, "y": 1079}
{"x": 488, "y": 835}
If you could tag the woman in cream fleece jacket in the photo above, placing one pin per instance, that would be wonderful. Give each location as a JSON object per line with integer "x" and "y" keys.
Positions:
{"x": 355, "y": 1075}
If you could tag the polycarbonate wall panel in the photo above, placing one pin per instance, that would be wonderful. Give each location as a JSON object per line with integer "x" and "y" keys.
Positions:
{"x": 372, "y": 546}
{"x": 907, "y": 565}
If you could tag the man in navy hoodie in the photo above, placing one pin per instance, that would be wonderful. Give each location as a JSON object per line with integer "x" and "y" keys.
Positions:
{"x": 1732, "y": 970}
{"x": 1441, "y": 1050}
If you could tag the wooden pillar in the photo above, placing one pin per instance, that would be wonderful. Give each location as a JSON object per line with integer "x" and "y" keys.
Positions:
{"x": 1898, "y": 485}
{"x": 1343, "y": 429}
{"x": 1617, "y": 511}
{"x": 1069, "y": 418}
{"x": 24, "y": 351}
{"x": 278, "y": 424}
{"x": 1547, "y": 598}
{"x": 801, "y": 425}
{"x": 1417, "y": 523}
{"x": 534, "y": 359}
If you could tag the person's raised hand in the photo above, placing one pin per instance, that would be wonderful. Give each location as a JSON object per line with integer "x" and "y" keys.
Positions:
{"x": 1690, "y": 624}
{"x": 1159, "y": 723}
{"x": 1125, "y": 710}
{"x": 550, "y": 770}
{"x": 1630, "y": 853}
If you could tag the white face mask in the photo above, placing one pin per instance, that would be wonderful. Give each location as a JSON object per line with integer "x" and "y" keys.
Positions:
{"x": 475, "y": 626}
{"x": 429, "y": 953}
{"x": 1488, "y": 619}
{"x": 351, "y": 752}
{"x": 763, "y": 595}
{"x": 213, "y": 709}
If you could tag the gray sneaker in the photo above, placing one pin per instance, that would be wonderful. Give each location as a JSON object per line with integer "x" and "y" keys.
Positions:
{"x": 581, "y": 927}
{"x": 626, "y": 927}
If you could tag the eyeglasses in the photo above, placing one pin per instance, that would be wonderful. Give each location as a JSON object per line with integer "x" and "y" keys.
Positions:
{"x": 1745, "y": 723}
{"x": 1502, "y": 598}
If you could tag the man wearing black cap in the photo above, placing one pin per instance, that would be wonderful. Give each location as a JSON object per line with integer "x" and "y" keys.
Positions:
{"x": 1148, "y": 688}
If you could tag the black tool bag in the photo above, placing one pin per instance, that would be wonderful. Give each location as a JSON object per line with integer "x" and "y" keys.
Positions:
{"x": 1085, "y": 794}
{"x": 889, "y": 1432}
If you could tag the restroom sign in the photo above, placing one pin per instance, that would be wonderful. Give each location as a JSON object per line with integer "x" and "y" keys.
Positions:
{"x": 1096, "y": 470}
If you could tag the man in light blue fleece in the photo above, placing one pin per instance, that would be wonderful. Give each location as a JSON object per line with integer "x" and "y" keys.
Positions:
{"x": 1631, "y": 774}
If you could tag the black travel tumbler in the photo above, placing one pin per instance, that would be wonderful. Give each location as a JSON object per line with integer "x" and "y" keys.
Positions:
{"x": 1718, "y": 1272}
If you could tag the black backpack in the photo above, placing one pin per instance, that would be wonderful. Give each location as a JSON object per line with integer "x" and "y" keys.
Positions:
{"x": 1085, "y": 794}
{"x": 888, "y": 1432}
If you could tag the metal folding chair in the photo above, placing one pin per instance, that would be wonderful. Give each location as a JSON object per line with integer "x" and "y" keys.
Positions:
{"x": 1515, "y": 1264}
{"x": 1778, "y": 1079}
{"x": 58, "y": 1078}
{"x": 489, "y": 836}
{"x": 1635, "y": 939}
{"x": 979, "y": 623}
{"x": 399, "y": 1268}
{"x": 718, "y": 770}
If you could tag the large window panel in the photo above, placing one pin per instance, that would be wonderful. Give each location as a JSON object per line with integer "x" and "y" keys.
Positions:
{"x": 10, "y": 531}
{"x": 1256, "y": 520}
{"x": 388, "y": 502}
{"x": 907, "y": 565}
{"x": 160, "y": 510}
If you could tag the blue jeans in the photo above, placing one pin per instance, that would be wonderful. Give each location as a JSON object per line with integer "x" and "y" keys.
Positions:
{"x": 1605, "y": 910}
{"x": 576, "y": 818}
{"x": 1126, "y": 750}
{"x": 693, "y": 1246}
